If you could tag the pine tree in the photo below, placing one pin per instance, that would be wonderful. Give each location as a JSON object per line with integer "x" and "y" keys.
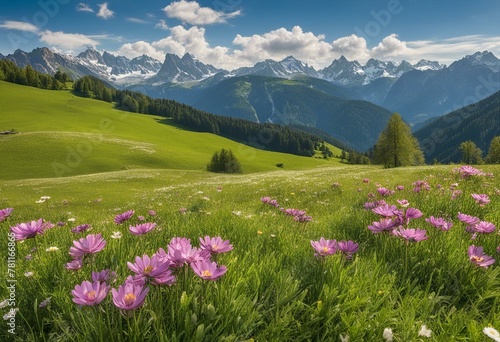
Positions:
{"x": 224, "y": 162}
{"x": 471, "y": 154}
{"x": 493, "y": 156}
{"x": 396, "y": 145}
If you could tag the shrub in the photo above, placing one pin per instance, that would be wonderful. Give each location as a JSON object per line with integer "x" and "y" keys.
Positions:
{"x": 224, "y": 162}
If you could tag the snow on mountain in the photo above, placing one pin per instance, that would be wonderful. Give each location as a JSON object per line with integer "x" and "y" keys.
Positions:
{"x": 425, "y": 64}
{"x": 285, "y": 68}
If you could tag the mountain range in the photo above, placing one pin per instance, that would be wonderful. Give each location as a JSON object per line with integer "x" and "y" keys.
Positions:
{"x": 337, "y": 99}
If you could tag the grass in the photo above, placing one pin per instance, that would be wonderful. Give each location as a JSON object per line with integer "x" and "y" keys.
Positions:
{"x": 274, "y": 289}
{"x": 65, "y": 135}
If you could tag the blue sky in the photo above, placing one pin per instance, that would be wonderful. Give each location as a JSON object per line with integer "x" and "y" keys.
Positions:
{"x": 235, "y": 33}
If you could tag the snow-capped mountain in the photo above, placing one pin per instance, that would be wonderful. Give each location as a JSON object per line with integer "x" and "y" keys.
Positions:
{"x": 425, "y": 64}
{"x": 285, "y": 68}
{"x": 486, "y": 58}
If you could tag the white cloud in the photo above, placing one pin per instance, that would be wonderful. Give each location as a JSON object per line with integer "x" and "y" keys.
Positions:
{"x": 67, "y": 41}
{"x": 132, "y": 50}
{"x": 137, "y": 21}
{"x": 19, "y": 26}
{"x": 162, "y": 25}
{"x": 81, "y": 7}
{"x": 192, "y": 13}
{"x": 389, "y": 47}
{"x": 352, "y": 47}
{"x": 104, "y": 11}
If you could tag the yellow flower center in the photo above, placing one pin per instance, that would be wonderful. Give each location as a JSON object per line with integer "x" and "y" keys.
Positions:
{"x": 148, "y": 269}
{"x": 477, "y": 259}
{"x": 90, "y": 295}
{"x": 206, "y": 273}
{"x": 214, "y": 247}
{"x": 129, "y": 299}
{"x": 324, "y": 249}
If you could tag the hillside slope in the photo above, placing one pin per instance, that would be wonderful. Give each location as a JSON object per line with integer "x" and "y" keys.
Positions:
{"x": 65, "y": 135}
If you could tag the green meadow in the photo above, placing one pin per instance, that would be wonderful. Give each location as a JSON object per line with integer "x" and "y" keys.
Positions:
{"x": 95, "y": 162}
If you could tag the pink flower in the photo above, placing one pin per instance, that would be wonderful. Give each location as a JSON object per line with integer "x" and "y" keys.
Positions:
{"x": 404, "y": 203}
{"x": 468, "y": 171}
{"x": 28, "y": 230}
{"x": 470, "y": 221}
{"x": 180, "y": 252}
{"x": 324, "y": 247}
{"x": 385, "y": 224}
{"x": 90, "y": 294}
{"x": 484, "y": 227}
{"x": 105, "y": 276}
{"x": 439, "y": 223}
{"x": 90, "y": 244}
{"x": 477, "y": 257}
{"x": 148, "y": 267}
{"x": 386, "y": 210}
{"x": 81, "y": 228}
{"x": 214, "y": 245}
{"x": 400, "y": 188}
{"x": 4, "y": 213}
{"x": 348, "y": 248}
{"x": 74, "y": 265}
{"x": 366, "y": 180}
{"x": 120, "y": 218}
{"x": 129, "y": 296}
{"x": 142, "y": 229}
{"x": 481, "y": 199}
{"x": 385, "y": 192}
{"x": 411, "y": 235}
{"x": 208, "y": 270}
{"x": 152, "y": 213}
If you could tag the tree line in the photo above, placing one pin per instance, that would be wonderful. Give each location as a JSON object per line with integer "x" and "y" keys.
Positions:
{"x": 28, "y": 76}
{"x": 267, "y": 136}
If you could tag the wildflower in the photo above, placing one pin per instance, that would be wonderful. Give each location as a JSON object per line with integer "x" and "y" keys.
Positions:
{"x": 400, "y": 188}
{"x": 348, "y": 248}
{"x": 90, "y": 244}
{"x": 28, "y": 230}
{"x": 4, "y": 213}
{"x": 259, "y": 232}
{"x": 71, "y": 219}
{"x": 129, "y": 296}
{"x": 237, "y": 213}
{"x": 81, "y": 228}
{"x": 404, "y": 203}
{"x": 477, "y": 256}
{"x": 385, "y": 210}
{"x": 411, "y": 235}
{"x": 484, "y": 227}
{"x": 369, "y": 205}
{"x": 28, "y": 257}
{"x": 412, "y": 213}
{"x": 120, "y": 218}
{"x": 467, "y": 171}
{"x": 180, "y": 252}
{"x": 74, "y": 265}
{"x": 470, "y": 221}
{"x": 28, "y": 274}
{"x": 151, "y": 268}
{"x": 425, "y": 332}
{"x": 344, "y": 338}
{"x": 45, "y": 303}
{"x": 142, "y": 229}
{"x": 40, "y": 201}
{"x": 387, "y": 334}
{"x": 45, "y": 198}
{"x": 61, "y": 224}
{"x": 385, "y": 224}
{"x": 182, "y": 210}
{"x": 420, "y": 185}
{"x": 439, "y": 223}
{"x": 366, "y": 180}
{"x": 324, "y": 247}
{"x": 481, "y": 199}
{"x": 335, "y": 185}
{"x": 219, "y": 189}
{"x": 52, "y": 249}
{"x": 152, "y": 213}
{"x": 214, "y": 245}
{"x": 492, "y": 333}
{"x": 208, "y": 270}
{"x": 105, "y": 276}
{"x": 89, "y": 294}
{"x": 385, "y": 192}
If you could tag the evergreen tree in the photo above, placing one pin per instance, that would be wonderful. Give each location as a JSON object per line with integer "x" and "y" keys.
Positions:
{"x": 471, "y": 154}
{"x": 493, "y": 156}
{"x": 396, "y": 145}
{"x": 224, "y": 162}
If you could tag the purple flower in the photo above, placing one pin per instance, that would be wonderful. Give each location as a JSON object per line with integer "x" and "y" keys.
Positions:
{"x": 420, "y": 185}
{"x": 324, "y": 247}
{"x": 385, "y": 192}
{"x": 484, "y": 227}
{"x": 152, "y": 213}
{"x": 302, "y": 218}
{"x": 468, "y": 171}
{"x": 439, "y": 223}
{"x": 142, "y": 228}
{"x": 400, "y": 188}
{"x": 141, "y": 218}
{"x": 411, "y": 235}
{"x": 180, "y": 252}
{"x": 348, "y": 248}
{"x": 214, "y": 245}
{"x": 385, "y": 224}
{"x": 208, "y": 270}
{"x": 120, "y": 218}
{"x": 404, "y": 203}
{"x": 369, "y": 205}
{"x": 467, "y": 219}
{"x": 90, "y": 244}
{"x": 105, "y": 276}
{"x": 61, "y": 224}
{"x": 90, "y": 293}
{"x": 265, "y": 199}
{"x": 481, "y": 199}
{"x": 81, "y": 228}
{"x": 366, "y": 180}
{"x": 386, "y": 210}
{"x": 74, "y": 265}
{"x": 148, "y": 267}
{"x": 4, "y": 213}
{"x": 477, "y": 257}
{"x": 129, "y": 296}
{"x": 410, "y": 214}
{"x": 28, "y": 230}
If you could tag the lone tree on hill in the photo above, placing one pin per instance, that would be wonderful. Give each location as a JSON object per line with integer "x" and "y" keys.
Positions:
{"x": 493, "y": 156}
{"x": 224, "y": 162}
{"x": 396, "y": 146}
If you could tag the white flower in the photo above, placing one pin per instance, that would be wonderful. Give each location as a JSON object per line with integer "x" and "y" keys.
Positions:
{"x": 492, "y": 333}
{"x": 116, "y": 235}
{"x": 273, "y": 236}
{"x": 424, "y": 331}
{"x": 387, "y": 335}
{"x": 40, "y": 201}
{"x": 28, "y": 274}
{"x": 52, "y": 249}
{"x": 4, "y": 304}
{"x": 344, "y": 338}
{"x": 237, "y": 213}
{"x": 71, "y": 219}
{"x": 45, "y": 198}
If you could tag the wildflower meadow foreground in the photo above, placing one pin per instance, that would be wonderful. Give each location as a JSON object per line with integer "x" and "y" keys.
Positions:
{"x": 354, "y": 254}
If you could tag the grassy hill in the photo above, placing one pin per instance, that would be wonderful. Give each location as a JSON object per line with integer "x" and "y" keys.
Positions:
{"x": 61, "y": 134}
